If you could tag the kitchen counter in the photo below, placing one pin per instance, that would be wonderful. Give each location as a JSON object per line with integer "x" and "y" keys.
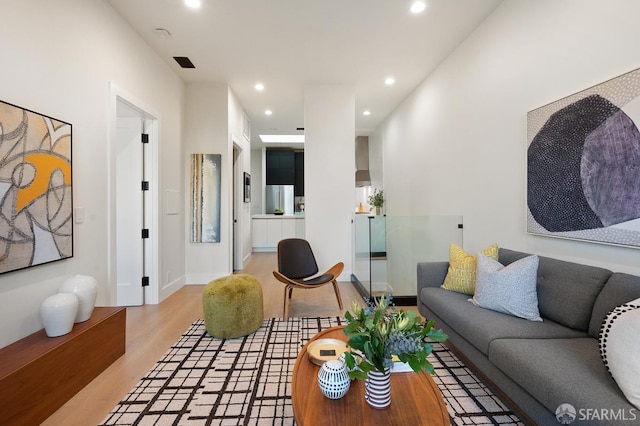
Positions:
{"x": 278, "y": 216}
{"x": 268, "y": 229}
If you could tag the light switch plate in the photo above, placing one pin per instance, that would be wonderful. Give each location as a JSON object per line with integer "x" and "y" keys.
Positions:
{"x": 78, "y": 214}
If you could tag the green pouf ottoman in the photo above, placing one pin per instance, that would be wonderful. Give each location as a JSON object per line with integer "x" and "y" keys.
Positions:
{"x": 232, "y": 306}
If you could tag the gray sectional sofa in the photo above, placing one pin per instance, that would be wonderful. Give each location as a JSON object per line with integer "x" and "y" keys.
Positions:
{"x": 536, "y": 366}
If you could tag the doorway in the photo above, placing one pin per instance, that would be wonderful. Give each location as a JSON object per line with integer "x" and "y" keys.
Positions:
{"x": 133, "y": 212}
{"x": 238, "y": 199}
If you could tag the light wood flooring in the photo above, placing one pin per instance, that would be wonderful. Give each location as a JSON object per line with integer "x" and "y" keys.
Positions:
{"x": 151, "y": 329}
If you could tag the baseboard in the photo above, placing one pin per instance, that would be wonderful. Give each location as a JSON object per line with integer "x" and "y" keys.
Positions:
{"x": 405, "y": 300}
{"x": 397, "y": 300}
{"x": 264, "y": 249}
{"x": 171, "y": 288}
{"x": 358, "y": 285}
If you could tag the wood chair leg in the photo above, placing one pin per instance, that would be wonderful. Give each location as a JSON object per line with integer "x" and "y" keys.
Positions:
{"x": 287, "y": 294}
{"x": 337, "y": 290}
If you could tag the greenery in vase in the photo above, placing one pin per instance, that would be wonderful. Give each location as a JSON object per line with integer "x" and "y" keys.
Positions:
{"x": 379, "y": 332}
{"x": 377, "y": 198}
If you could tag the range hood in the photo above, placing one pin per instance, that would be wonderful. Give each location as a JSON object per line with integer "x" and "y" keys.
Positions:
{"x": 362, "y": 162}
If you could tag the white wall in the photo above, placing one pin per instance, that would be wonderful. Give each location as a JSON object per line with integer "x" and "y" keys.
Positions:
{"x": 213, "y": 124}
{"x": 243, "y": 164}
{"x": 329, "y": 173}
{"x": 457, "y": 145}
{"x": 257, "y": 180}
{"x": 59, "y": 58}
{"x": 207, "y": 132}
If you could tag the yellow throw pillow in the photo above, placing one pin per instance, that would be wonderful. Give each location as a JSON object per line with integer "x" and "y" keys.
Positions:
{"x": 461, "y": 276}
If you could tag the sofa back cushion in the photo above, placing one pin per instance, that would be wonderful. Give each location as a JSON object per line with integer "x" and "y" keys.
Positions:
{"x": 567, "y": 291}
{"x": 620, "y": 289}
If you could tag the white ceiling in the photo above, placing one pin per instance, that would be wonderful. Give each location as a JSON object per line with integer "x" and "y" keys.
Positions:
{"x": 287, "y": 44}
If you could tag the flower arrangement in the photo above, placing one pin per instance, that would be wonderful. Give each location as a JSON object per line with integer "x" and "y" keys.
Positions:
{"x": 377, "y": 198}
{"x": 379, "y": 332}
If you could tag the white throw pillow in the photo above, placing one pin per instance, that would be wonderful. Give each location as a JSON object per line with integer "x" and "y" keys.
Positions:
{"x": 508, "y": 289}
{"x": 620, "y": 346}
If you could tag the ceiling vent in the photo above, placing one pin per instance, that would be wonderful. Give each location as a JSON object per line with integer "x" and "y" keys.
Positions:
{"x": 184, "y": 62}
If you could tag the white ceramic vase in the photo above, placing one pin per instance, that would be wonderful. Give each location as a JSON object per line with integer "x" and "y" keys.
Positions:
{"x": 377, "y": 388}
{"x": 58, "y": 313}
{"x": 86, "y": 289}
{"x": 333, "y": 379}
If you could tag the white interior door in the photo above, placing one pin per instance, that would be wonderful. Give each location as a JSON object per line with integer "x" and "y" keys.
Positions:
{"x": 130, "y": 213}
{"x": 238, "y": 183}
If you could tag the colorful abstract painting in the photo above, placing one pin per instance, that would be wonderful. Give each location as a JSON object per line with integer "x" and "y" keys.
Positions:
{"x": 583, "y": 164}
{"x": 205, "y": 198}
{"x": 36, "y": 203}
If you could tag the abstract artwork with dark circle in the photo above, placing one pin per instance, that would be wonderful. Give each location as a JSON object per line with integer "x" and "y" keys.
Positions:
{"x": 583, "y": 164}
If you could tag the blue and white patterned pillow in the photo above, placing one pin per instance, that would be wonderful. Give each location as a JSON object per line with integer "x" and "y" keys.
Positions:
{"x": 508, "y": 289}
{"x": 619, "y": 342}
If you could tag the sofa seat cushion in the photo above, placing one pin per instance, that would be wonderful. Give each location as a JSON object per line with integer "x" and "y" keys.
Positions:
{"x": 481, "y": 326}
{"x": 559, "y": 371}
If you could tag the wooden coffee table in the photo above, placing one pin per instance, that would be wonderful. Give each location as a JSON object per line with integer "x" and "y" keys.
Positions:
{"x": 415, "y": 398}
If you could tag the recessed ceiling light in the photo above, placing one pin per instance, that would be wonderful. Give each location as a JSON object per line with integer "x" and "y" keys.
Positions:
{"x": 194, "y": 4}
{"x": 367, "y": 112}
{"x": 389, "y": 81}
{"x": 418, "y": 6}
{"x": 268, "y": 112}
{"x": 259, "y": 87}
{"x": 282, "y": 138}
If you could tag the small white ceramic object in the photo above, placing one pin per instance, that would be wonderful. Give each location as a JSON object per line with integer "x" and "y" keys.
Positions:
{"x": 333, "y": 379}
{"x": 58, "y": 313}
{"x": 86, "y": 289}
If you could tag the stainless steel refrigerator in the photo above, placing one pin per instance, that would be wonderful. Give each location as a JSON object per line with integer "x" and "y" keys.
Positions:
{"x": 279, "y": 197}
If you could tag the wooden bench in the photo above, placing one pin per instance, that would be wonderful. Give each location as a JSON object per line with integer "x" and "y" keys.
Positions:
{"x": 38, "y": 374}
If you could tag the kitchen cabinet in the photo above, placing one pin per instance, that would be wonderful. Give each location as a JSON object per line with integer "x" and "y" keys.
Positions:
{"x": 300, "y": 229}
{"x": 299, "y": 174}
{"x": 281, "y": 169}
{"x": 268, "y": 229}
{"x": 274, "y": 232}
{"x": 259, "y": 235}
{"x": 286, "y": 167}
{"x": 288, "y": 229}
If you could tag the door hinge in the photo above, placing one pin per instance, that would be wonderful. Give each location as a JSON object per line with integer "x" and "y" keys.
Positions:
{"x": 145, "y": 233}
{"x": 145, "y": 138}
{"x": 145, "y": 281}
{"x": 145, "y": 185}
{"x": 460, "y": 226}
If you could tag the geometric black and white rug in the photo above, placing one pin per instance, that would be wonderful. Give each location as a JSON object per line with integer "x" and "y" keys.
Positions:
{"x": 202, "y": 380}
